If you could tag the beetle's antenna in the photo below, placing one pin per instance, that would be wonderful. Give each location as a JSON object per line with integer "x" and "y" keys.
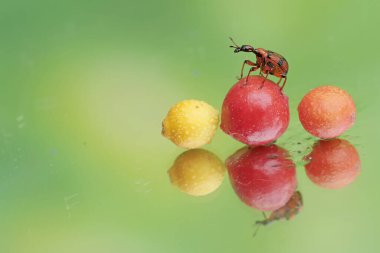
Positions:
{"x": 236, "y": 46}
{"x": 258, "y": 225}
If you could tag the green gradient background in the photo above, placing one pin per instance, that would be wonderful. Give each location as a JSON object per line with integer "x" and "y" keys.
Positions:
{"x": 84, "y": 86}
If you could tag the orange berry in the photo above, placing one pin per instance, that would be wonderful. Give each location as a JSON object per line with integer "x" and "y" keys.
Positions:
{"x": 327, "y": 111}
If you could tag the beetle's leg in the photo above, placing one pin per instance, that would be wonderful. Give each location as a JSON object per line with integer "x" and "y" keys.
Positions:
{"x": 283, "y": 83}
{"x": 279, "y": 81}
{"x": 242, "y": 68}
{"x": 252, "y": 69}
{"x": 265, "y": 78}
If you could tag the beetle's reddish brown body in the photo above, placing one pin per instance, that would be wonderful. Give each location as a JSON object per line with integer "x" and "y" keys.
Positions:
{"x": 269, "y": 63}
{"x": 274, "y": 63}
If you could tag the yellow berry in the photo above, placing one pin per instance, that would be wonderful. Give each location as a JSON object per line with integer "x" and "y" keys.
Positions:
{"x": 190, "y": 123}
{"x": 197, "y": 172}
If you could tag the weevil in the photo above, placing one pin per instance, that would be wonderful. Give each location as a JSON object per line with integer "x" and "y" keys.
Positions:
{"x": 269, "y": 62}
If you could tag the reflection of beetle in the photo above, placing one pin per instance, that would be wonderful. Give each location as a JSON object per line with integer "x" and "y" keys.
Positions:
{"x": 269, "y": 62}
{"x": 288, "y": 211}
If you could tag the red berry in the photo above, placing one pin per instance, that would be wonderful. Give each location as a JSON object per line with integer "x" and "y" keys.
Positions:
{"x": 263, "y": 177}
{"x": 327, "y": 111}
{"x": 255, "y": 113}
{"x": 333, "y": 164}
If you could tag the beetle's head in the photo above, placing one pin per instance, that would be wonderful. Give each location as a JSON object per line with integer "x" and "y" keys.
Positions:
{"x": 243, "y": 48}
{"x": 246, "y": 48}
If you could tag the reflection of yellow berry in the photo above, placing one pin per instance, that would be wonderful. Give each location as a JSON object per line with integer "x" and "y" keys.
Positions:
{"x": 190, "y": 123}
{"x": 197, "y": 172}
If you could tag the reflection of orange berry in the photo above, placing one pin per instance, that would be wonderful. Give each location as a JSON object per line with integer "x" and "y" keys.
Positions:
{"x": 333, "y": 164}
{"x": 197, "y": 172}
{"x": 327, "y": 111}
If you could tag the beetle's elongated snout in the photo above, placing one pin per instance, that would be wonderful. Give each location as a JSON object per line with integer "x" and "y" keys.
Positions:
{"x": 237, "y": 50}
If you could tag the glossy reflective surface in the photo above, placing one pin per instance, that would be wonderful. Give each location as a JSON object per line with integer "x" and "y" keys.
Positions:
{"x": 83, "y": 91}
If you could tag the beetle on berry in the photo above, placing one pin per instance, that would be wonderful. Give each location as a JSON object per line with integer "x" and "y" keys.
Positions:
{"x": 267, "y": 61}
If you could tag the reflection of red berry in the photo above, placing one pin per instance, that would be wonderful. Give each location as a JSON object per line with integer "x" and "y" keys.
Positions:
{"x": 255, "y": 113}
{"x": 263, "y": 177}
{"x": 327, "y": 111}
{"x": 333, "y": 164}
